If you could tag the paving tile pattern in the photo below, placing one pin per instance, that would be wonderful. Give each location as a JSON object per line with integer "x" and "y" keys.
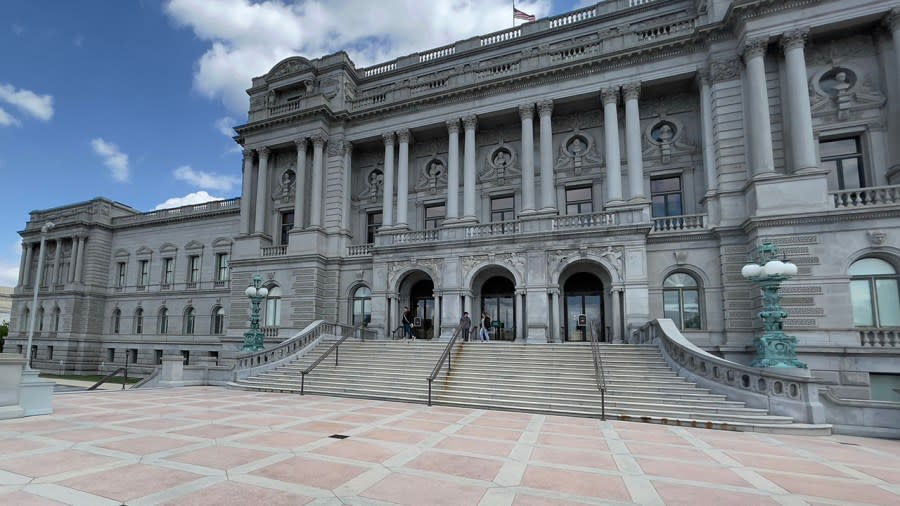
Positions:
{"x": 207, "y": 445}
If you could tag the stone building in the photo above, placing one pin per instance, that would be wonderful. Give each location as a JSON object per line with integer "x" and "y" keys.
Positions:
{"x": 621, "y": 162}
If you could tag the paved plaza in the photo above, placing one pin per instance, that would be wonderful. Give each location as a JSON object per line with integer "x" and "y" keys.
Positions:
{"x": 207, "y": 445}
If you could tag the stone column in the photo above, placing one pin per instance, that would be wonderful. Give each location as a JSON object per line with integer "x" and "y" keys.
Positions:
{"x": 469, "y": 124}
{"x": 616, "y": 311}
{"x": 56, "y": 255}
{"x": 554, "y": 311}
{"x": 802, "y": 141}
{"x": 73, "y": 260}
{"x": 25, "y": 263}
{"x": 706, "y": 125}
{"x": 520, "y": 314}
{"x": 315, "y": 201}
{"x": 387, "y": 209}
{"x": 300, "y": 184}
{"x": 762, "y": 157}
{"x": 633, "y": 150}
{"x": 610, "y": 97}
{"x": 262, "y": 191}
{"x": 403, "y": 178}
{"x": 246, "y": 191}
{"x": 453, "y": 169}
{"x": 548, "y": 189}
{"x": 526, "y": 113}
{"x": 348, "y": 186}
{"x": 79, "y": 268}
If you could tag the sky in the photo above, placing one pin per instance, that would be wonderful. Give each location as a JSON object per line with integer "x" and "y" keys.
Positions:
{"x": 134, "y": 100}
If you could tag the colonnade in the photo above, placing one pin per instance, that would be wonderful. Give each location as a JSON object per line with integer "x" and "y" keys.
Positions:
{"x": 76, "y": 261}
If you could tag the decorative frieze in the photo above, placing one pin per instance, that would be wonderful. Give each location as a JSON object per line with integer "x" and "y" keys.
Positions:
{"x": 724, "y": 70}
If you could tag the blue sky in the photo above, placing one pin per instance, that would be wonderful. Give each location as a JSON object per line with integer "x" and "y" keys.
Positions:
{"x": 134, "y": 100}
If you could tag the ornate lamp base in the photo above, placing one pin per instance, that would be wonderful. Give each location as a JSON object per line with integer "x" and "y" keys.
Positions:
{"x": 776, "y": 349}
{"x": 253, "y": 341}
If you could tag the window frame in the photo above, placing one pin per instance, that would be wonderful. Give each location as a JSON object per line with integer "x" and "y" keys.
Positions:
{"x": 168, "y": 271}
{"x": 121, "y": 272}
{"x": 666, "y": 195}
{"x": 163, "y": 321}
{"x": 837, "y": 171}
{"x": 697, "y": 288}
{"x": 434, "y": 222}
{"x": 589, "y": 201}
{"x": 372, "y": 226}
{"x": 872, "y": 285}
{"x": 190, "y": 320}
{"x": 143, "y": 273}
{"x": 193, "y": 270}
{"x": 286, "y": 226}
{"x": 223, "y": 262}
{"x": 506, "y": 214}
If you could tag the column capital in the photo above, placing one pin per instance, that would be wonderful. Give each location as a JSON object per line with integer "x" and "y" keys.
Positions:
{"x": 755, "y": 48}
{"x": 453, "y": 126}
{"x": 631, "y": 91}
{"x": 248, "y": 153}
{"x": 403, "y": 136}
{"x": 388, "y": 138}
{"x": 610, "y": 95}
{"x": 264, "y": 152}
{"x": 526, "y": 111}
{"x": 318, "y": 141}
{"x": 301, "y": 144}
{"x": 470, "y": 122}
{"x": 545, "y": 108}
{"x": 892, "y": 20}
{"x": 794, "y": 39}
{"x": 724, "y": 70}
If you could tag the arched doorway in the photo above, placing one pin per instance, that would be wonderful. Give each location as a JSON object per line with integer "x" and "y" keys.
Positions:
{"x": 497, "y": 300}
{"x": 422, "y": 307}
{"x": 583, "y": 295}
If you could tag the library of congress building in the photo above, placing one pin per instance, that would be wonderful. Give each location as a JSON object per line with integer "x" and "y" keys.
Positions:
{"x": 604, "y": 168}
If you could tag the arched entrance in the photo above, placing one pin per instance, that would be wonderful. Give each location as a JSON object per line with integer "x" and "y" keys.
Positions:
{"x": 422, "y": 307}
{"x": 497, "y": 300}
{"x": 583, "y": 303}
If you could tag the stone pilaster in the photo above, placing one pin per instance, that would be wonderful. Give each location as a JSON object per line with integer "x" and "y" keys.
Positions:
{"x": 610, "y": 98}
{"x": 548, "y": 189}
{"x": 403, "y": 137}
{"x": 246, "y": 191}
{"x": 802, "y": 141}
{"x": 526, "y": 114}
{"x": 633, "y": 151}
{"x": 262, "y": 191}
{"x": 762, "y": 157}
{"x": 453, "y": 169}
{"x": 315, "y": 201}
{"x": 469, "y": 124}
{"x": 300, "y": 193}
{"x": 387, "y": 209}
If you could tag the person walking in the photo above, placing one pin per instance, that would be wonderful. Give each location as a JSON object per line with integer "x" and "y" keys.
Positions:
{"x": 466, "y": 323}
{"x": 407, "y": 323}
{"x": 485, "y": 323}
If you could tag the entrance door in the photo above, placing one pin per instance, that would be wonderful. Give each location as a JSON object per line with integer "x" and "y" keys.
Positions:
{"x": 421, "y": 306}
{"x": 583, "y": 296}
{"x": 498, "y": 302}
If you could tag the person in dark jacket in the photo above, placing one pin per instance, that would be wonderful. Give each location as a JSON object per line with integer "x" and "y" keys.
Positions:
{"x": 407, "y": 323}
{"x": 466, "y": 323}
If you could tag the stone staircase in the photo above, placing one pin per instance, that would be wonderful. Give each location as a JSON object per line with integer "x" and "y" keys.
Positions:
{"x": 541, "y": 378}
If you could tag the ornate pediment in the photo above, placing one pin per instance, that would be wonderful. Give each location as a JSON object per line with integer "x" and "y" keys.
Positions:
{"x": 374, "y": 185}
{"x": 292, "y": 65}
{"x": 841, "y": 90}
{"x": 501, "y": 164}
{"x": 432, "y": 175}
{"x": 577, "y": 154}
{"x": 666, "y": 139}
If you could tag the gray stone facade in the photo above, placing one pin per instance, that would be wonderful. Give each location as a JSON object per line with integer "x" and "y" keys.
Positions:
{"x": 568, "y": 166}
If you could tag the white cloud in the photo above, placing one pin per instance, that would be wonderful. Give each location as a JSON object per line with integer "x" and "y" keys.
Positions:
{"x": 113, "y": 158}
{"x": 39, "y": 106}
{"x": 188, "y": 200}
{"x": 205, "y": 180}
{"x": 7, "y": 119}
{"x": 224, "y": 126}
{"x": 9, "y": 263}
{"x": 247, "y": 39}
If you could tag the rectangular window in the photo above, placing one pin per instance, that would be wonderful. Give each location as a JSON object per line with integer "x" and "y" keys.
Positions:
{"x": 49, "y": 352}
{"x": 143, "y": 273}
{"x": 503, "y": 208}
{"x": 665, "y": 194}
{"x": 120, "y": 275}
{"x": 193, "y": 269}
{"x": 133, "y": 355}
{"x": 579, "y": 200}
{"x": 158, "y": 356}
{"x": 110, "y": 354}
{"x": 222, "y": 260}
{"x": 187, "y": 356}
{"x": 287, "y": 223}
{"x": 168, "y": 272}
{"x": 373, "y": 223}
{"x": 434, "y": 215}
{"x": 843, "y": 157}
{"x": 215, "y": 356}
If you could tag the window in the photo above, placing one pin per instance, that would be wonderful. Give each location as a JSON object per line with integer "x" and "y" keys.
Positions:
{"x": 579, "y": 200}
{"x": 117, "y": 321}
{"x": 25, "y": 322}
{"x": 373, "y": 223}
{"x": 222, "y": 266}
{"x": 503, "y": 208}
{"x": 189, "y": 319}
{"x": 49, "y": 352}
{"x": 273, "y": 307}
{"x": 133, "y": 355}
{"x": 163, "y": 321}
{"x": 168, "y": 272}
{"x": 193, "y": 269}
{"x": 287, "y": 223}
{"x": 120, "y": 275}
{"x": 158, "y": 356}
{"x": 110, "y": 354}
{"x": 56, "y": 316}
{"x": 681, "y": 301}
{"x": 665, "y": 194}
{"x": 187, "y": 356}
{"x": 139, "y": 321}
{"x": 434, "y": 215}
{"x": 215, "y": 356}
{"x": 40, "y": 319}
{"x": 362, "y": 305}
{"x": 143, "y": 273}
{"x": 874, "y": 293}
{"x": 218, "y": 321}
{"x": 843, "y": 157}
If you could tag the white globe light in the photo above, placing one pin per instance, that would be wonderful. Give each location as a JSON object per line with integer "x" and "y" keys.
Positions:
{"x": 790, "y": 269}
{"x": 250, "y": 291}
{"x": 774, "y": 268}
{"x": 262, "y": 292}
{"x": 750, "y": 270}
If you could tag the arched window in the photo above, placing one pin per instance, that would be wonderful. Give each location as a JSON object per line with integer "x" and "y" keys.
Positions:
{"x": 189, "y": 318}
{"x": 218, "y": 320}
{"x": 273, "y": 307}
{"x": 40, "y": 319}
{"x": 139, "y": 321}
{"x": 681, "y": 300}
{"x": 56, "y": 315}
{"x": 116, "y": 320}
{"x": 163, "y": 320}
{"x": 874, "y": 293}
{"x": 26, "y": 313}
{"x": 362, "y": 306}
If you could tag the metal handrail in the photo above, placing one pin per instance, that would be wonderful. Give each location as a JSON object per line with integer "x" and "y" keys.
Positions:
{"x": 111, "y": 376}
{"x": 334, "y": 347}
{"x": 599, "y": 374}
{"x": 445, "y": 356}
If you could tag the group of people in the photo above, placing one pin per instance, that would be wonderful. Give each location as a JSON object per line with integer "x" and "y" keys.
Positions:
{"x": 465, "y": 322}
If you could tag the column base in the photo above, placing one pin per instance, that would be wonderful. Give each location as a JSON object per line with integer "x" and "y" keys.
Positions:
{"x": 638, "y": 199}
{"x": 614, "y": 203}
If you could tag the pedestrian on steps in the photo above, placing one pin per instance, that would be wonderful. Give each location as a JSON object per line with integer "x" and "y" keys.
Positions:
{"x": 485, "y": 323}
{"x": 407, "y": 323}
{"x": 466, "y": 323}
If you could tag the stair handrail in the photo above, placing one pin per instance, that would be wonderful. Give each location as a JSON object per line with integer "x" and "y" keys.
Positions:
{"x": 111, "y": 375}
{"x": 599, "y": 374}
{"x": 445, "y": 357}
{"x": 346, "y": 332}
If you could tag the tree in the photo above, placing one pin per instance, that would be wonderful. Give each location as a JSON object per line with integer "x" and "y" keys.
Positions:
{"x": 4, "y": 331}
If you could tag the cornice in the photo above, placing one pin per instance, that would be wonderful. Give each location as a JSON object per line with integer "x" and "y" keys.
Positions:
{"x": 835, "y": 216}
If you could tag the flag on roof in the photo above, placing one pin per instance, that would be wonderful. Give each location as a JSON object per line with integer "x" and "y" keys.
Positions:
{"x": 517, "y": 14}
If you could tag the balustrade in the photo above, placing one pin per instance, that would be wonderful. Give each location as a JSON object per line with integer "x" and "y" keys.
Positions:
{"x": 500, "y": 36}
{"x": 493, "y": 229}
{"x": 359, "y": 250}
{"x": 584, "y": 221}
{"x": 879, "y": 337}
{"x": 679, "y": 223}
{"x": 273, "y": 251}
{"x": 872, "y": 196}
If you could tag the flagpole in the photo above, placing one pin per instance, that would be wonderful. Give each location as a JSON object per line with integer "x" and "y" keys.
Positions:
{"x": 514, "y": 13}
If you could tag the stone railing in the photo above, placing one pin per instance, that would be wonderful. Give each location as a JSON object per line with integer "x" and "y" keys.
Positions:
{"x": 493, "y": 229}
{"x": 772, "y": 389}
{"x": 503, "y": 36}
{"x": 269, "y": 331}
{"x": 592, "y": 220}
{"x": 573, "y": 17}
{"x": 879, "y": 337}
{"x": 865, "y": 197}
{"x": 406, "y": 237}
{"x": 437, "y": 53}
{"x": 679, "y": 223}
{"x": 359, "y": 250}
{"x": 296, "y": 105}
{"x": 667, "y": 30}
{"x": 378, "y": 69}
{"x": 179, "y": 212}
{"x": 273, "y": 251}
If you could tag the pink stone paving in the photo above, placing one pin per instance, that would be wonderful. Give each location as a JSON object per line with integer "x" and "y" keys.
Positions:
{"x": 214, "y": 446}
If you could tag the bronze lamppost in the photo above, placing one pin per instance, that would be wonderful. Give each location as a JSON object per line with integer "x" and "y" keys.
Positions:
{"x": 253, "y": 338}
